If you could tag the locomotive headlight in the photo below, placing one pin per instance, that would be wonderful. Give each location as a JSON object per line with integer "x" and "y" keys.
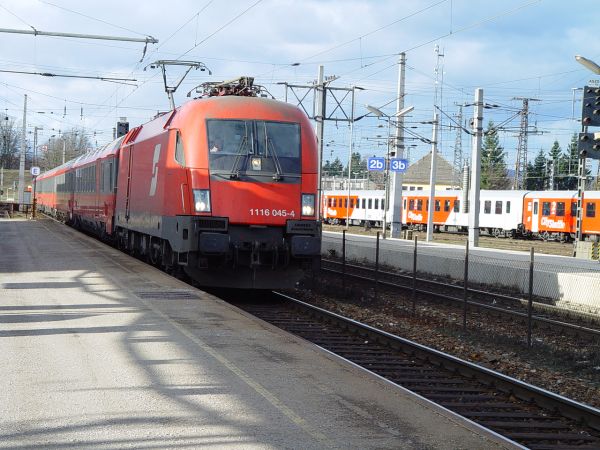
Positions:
{"x": 308, "y": 204}
{"x": 202, "y": 200}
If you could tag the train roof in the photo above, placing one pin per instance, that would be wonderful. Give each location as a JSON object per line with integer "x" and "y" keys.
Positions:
{"x": 552, "y": 194}
{"x": 109, "y": 149}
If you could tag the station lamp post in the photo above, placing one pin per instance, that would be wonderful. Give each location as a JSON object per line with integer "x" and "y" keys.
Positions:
{"x": 386, "y": 173}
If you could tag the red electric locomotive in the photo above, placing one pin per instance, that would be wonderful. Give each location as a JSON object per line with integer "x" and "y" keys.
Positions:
{"x": 222, "y": 188}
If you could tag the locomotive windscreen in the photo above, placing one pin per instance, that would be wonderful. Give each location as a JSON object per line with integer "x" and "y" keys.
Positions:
{"x": 254, "y": 150}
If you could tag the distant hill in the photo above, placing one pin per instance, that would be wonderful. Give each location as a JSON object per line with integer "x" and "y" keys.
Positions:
{"x": 11, "y": 178}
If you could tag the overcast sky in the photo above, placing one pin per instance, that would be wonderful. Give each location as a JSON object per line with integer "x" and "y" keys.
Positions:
{"x": 510, "y": 48}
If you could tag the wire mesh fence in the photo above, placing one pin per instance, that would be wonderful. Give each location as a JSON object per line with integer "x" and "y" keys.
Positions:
{"x": 535, "y": 282}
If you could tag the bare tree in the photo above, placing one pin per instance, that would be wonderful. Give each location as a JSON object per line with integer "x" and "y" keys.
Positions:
{"x": 10, "y": 142}
{"x": 72, "y": 143}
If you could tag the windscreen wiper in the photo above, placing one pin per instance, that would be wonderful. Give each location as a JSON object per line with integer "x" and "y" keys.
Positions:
{"x": 278, "y": 175}
{"x": 235, "y": 173}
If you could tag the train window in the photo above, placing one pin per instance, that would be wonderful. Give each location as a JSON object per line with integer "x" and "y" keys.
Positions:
{"x": 179, "y": 154}
{"x": 376, "y": 203}
{"x": 383, "y": 203}
{"x": 446, "y": 205}
{"x": 590, "y": 209}
{"x": 364, "y": 202}
{"x": 535, "y": 207}
{"x": 545, "y": 208}
{"x": 437, "y": 205}
{"x": 411, "y": 204}
{"x": 330, "y": 202}
{"x": 498, "y": 207}
{"x": 419, "y": 205}
{"x": 487, "y": 207}
{"x": 351, "y": 203}
{"x": 404, "y": 204}
{"x": 335, "y": 202}
{"x": 412, "y": 188}
{"x": 345, "y": 202}
{"x": 456, "y": 205}
{"x": 560, "y": 209}
{"x": 573, "y": 209}
{"x": 508, "y": 207}
{"x": 370, "y": 203}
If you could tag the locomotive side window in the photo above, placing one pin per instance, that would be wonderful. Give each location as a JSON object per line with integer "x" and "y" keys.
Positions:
{"x": 179, "y": 154}
{"x": 487, "y": 207}
{"x": 545, "y": 208}
{"x": 573, "y": 209}
{"x": 498, "y": 207}
{"x": 560, "y": 209}
{"x": 508, "y": 207}
{"x": 590, "y": 209}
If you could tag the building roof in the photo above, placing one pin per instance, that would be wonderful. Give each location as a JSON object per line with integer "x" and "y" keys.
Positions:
{"x": 419, "y": 171}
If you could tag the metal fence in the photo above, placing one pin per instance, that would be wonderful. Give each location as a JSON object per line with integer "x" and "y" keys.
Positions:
{"x": 540, "y": 282}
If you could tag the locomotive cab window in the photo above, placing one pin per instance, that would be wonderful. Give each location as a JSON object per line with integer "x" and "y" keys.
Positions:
{"x": 256, "y": 150}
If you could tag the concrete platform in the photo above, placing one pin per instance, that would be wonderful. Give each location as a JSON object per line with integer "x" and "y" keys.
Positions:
{"x": 570, "y": 282}
{"x": 99, "y": 350}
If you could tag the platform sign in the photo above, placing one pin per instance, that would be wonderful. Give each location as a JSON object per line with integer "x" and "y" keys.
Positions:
{"x": 376, "y": 164}
{"x": 35, "y": 171}
{"x": 398, "y": 165}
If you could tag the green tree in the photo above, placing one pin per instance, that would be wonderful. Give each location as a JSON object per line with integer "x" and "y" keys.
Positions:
{"x": 571, "y": 161}
{"x": 493, "y": 163}
{"x": 537, "y": 175}
{"x": 334, "y": 169}
{"x": 359, "y": 166}
{"x": 557, "y": 164}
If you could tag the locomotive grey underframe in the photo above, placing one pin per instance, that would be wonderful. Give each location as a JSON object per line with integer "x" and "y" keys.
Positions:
{"x": 215, "y": 237}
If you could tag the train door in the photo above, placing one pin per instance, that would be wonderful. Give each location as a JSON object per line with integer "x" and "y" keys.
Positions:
{"x": 535, "y": 215}
{"x": 128, "y": 181}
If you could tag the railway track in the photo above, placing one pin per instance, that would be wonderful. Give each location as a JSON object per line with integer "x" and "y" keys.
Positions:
{"x": 530, "y": 416}
{"x": 494, "y": 303}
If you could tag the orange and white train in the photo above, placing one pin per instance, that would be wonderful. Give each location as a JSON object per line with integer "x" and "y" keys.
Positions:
{"x": 549, "y": 215}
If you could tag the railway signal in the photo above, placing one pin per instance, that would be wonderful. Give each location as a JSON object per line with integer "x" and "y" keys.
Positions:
{"x": 588, "y": 145}
{"x": 590, "y": 113}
